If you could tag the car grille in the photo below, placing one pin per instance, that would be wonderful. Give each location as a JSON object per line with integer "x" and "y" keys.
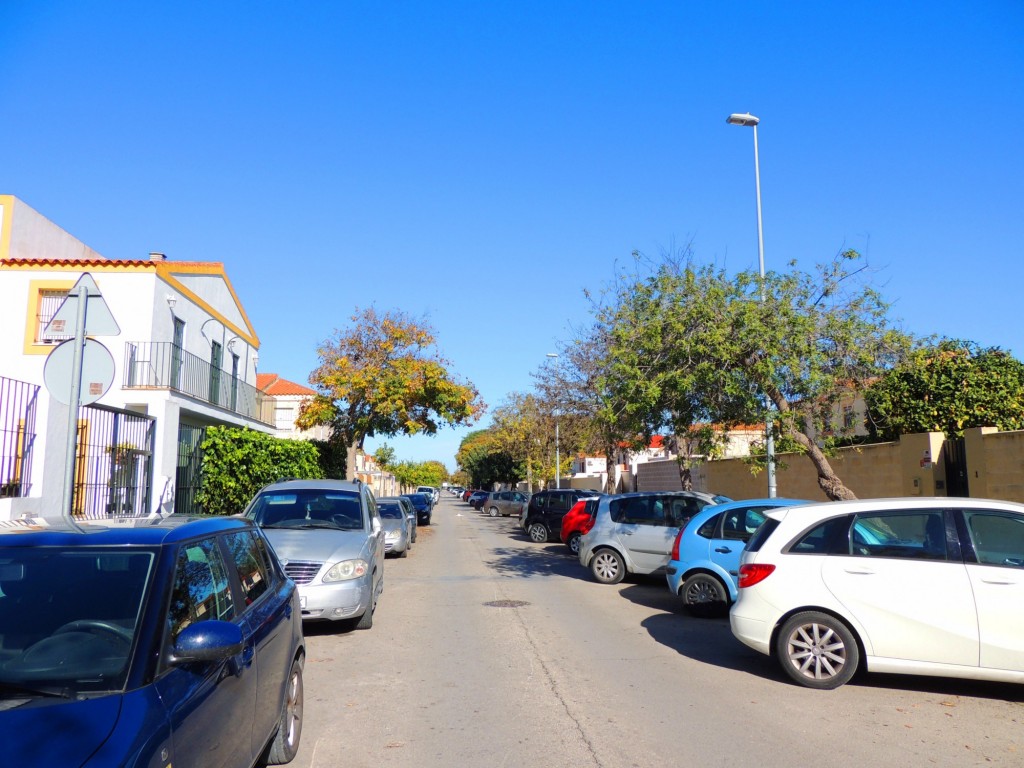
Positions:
{"x": 302, "y": 571}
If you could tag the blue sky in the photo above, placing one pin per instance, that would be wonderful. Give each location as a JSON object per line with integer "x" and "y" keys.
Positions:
{"x": 479, "y": 164}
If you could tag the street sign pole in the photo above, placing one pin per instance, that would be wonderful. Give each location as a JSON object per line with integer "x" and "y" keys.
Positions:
{"x": 73, "y": 402}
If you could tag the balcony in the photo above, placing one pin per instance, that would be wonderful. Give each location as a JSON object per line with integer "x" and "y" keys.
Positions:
{"x": 163, "y": 365}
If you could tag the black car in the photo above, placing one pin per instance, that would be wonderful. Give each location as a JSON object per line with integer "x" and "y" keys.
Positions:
{"x": 175, "y": 642}
{"x": 423, "y": 504}
{"x": 543, "y": 521}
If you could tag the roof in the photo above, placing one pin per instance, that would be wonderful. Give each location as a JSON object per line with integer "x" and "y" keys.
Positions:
{"x": 273, "y": 385}
{"x": 138, "y": 532}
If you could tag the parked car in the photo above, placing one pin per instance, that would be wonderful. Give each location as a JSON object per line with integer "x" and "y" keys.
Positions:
{"x": 431, "y": 491}
{"x": 423, "y": 506}
{"x": 330, "y": 539}
{"x": 397, "y": 529}
{"x": 467, "y": 493}
{"x": 175, "y": 642}
{"x": 476, "y": 499}
{"x": 547, "y": 508}
{"x": 410, "y": 512}
{"x": 634, "y": 532}
{"x": 504, "y": 503}
{"x": 578, "y": 521}
{"x": 704, "y": 566}
{"x": 928, "y": 586}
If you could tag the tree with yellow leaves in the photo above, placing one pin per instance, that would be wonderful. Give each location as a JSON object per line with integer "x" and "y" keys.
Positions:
{"x": 384, "y": 376}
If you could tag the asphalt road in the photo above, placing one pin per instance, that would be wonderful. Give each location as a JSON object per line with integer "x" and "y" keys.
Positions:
{"x": 489, "y": 651}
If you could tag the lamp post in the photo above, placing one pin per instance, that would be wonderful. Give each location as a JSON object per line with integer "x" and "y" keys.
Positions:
{"x": 748, "y": 120}
{"x": 558, "y": 458}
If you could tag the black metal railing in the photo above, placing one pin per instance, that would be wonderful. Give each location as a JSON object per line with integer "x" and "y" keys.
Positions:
{"x": 113, "y": 463}
{"x": 164, "y": 365}
{"x": 18, "y": 401}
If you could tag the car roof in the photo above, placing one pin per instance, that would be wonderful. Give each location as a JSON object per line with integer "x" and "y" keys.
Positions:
{"x": 825, "y": 509}
{"x": 130, "y": 531}
{"x": 326, "y": 484}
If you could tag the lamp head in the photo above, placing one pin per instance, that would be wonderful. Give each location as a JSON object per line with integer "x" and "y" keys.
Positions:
{"x": 746, "y": 119}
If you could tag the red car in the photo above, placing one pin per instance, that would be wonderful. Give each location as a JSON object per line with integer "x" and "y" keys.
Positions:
{"x": 578, "y": 521}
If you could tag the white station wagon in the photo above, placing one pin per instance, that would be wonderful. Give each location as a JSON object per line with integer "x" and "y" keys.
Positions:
{"x": 927, "y": 586}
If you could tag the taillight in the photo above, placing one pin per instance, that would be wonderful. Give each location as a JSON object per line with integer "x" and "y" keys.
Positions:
{"x": 754, "y": 573}
{"x": 585, "y": 528}
{"x": 675, "y": 545}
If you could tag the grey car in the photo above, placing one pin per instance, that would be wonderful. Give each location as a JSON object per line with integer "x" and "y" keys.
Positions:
{"x": 329, "y": 537}
{"x": 406, "y": 503}
{"x": 504, "y": 503}
{"x": 397, "y": 529}
{"x": 634, "y": 532}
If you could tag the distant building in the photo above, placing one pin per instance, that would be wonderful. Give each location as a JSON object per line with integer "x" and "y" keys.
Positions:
{"x": 284, "y": 399}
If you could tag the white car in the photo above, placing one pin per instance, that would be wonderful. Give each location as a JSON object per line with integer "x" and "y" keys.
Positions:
{"x": 927, "y": 586}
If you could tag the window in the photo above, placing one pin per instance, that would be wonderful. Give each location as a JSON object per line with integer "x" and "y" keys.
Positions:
{"x": 740, "y": 524}
{"x": 707, "y": 531}
{"x": 638, "y": 510}
{"x": 824, "y": 538}
{"x": 681, "y": 509}
{"x": 252, "y": 572}
{"x": 917, "y": 535}
{"x": 998, "y": 539}
{"x": 49, "y": 303}
{"x": 201, "y": 590}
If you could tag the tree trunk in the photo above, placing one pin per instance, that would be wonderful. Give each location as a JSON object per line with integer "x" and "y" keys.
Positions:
{"x": 350, "y": 458}
{"x": 609, "y": 466}
{"x": 828, "y": 480}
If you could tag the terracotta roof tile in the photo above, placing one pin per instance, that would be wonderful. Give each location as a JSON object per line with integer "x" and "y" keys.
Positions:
{"x": 272, "y": 384}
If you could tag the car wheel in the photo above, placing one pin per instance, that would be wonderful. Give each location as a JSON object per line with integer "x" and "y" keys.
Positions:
{"x": 817, "y": 650}
{"x": 704, "y": 595}
{"x": 289, "y": 729}
{"x": 574, "y": 543}
{"x": 405, "y": 552}
{"x": 538, "y": 532}
{"x": 607, "y": 566}
{"x": 366, "y": 620}
{"x": 493, "y": 511}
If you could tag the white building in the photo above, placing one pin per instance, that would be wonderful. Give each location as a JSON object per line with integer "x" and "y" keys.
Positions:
{"x": 185, "y": 359}
{"x": 284, "y": 398}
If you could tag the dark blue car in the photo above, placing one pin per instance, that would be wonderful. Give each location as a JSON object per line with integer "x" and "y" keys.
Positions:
{"x": 423, "y": 504}
{"x": 175, "y": 643}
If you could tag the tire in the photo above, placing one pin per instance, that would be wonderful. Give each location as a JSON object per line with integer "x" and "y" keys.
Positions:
{"x": 289, "y": 729}
{"x": 704, "y": 595}
{"x": 493, "y": 511}
{"x": 817, "y": 650}
{"x": 538, "y": 532}
{"x": 366, "y": 620}
{"x": 607, "y": 566}
{"x": 405, "y": 552}
{"x": 574, "y": 543}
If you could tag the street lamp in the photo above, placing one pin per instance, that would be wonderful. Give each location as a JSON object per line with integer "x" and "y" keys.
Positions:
{"x": 748, "y": 120}
{"x": 558, "y": 458}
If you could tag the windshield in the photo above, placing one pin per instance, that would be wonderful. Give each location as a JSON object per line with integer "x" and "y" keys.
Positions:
{"x": 308, "y": 509}
{"x": 390, "y": 511}
{"x": 68, "y": 617}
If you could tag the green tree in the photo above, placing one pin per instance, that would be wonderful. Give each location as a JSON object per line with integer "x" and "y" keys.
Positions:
{"x": 690, "y": 345}
{"x": 385, "y": 457}
{"x": 949, "y": 387}
{"x": 482, "y": 458}
{"x": 383, "y": 376}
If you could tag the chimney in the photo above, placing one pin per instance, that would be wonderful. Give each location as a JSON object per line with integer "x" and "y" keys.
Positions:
{"x": 154, "y": 256}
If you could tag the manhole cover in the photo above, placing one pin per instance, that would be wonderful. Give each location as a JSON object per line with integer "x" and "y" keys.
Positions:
{"x": 506, "y": 604}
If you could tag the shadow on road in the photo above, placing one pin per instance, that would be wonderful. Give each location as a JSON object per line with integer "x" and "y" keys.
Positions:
{"x": 539, "y": 560}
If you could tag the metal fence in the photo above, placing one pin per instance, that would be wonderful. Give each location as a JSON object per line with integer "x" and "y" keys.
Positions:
{"x": 18, "y": 401}
{"x": 113, "y": 463}
{"x": 190, "y": 460}
{"x": 165, "y": 365}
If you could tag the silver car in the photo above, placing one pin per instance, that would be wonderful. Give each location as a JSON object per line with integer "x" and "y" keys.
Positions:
{"x": 397, "y": 528}
{"x": 634, "y": 532}
{"x": 329, "y": 537}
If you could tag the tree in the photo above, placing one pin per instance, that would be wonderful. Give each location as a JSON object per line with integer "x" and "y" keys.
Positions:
{"x": 385, "y": 457}
{"x": 949, "y": 387}
{"x": 483, "y": 459}
{"x": 383, "y": 376}
{"x": 690, "y": 345}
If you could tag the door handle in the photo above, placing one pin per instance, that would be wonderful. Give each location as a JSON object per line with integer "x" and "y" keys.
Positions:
{"x": 723, "y": 550}
{"x": 859, "y": 571}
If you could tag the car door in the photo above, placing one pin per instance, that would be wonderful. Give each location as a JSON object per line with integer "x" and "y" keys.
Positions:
{"x": 912, "y": 601}
{"x": 559, "y": 503}
{"x": 268, "y": 618}
{"x": 996, "y": 572}
{"x": 644, "y": 532}
{"x": 211, "y": 705}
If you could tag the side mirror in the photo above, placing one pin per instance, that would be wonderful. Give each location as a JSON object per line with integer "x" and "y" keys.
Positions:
{"x": 211, "y": 640}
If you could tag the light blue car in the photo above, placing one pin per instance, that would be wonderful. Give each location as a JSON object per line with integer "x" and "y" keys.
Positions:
{"x": 704, "y": 566}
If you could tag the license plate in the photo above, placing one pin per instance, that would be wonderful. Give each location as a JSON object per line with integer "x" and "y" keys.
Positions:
{"x": 302, "y": 602}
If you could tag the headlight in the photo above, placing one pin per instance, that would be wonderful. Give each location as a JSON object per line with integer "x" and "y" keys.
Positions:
{"x": 345, "y": 570}
{"x": 388, "y": 535}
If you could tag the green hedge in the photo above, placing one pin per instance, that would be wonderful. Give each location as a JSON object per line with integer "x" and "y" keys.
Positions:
{"x": 238, "y": 462}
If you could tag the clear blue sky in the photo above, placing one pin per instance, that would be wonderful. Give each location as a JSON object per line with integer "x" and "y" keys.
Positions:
{"x": 480, "y": 163}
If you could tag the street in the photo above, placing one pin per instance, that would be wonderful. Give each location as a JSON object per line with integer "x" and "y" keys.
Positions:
{"x": 488, "y": 650}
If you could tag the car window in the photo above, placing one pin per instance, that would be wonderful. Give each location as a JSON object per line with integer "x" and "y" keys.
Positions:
{"x": 539, "y": 502}
{"x": 762, "y": 534}
{"x": 679, "y": 509}
{"x": 390, "y": 510}
{"x": 252, "y": 571}
{"x": 917, "y": 535}
{"x": 707, "y": 530}
{"x": 828, "y": 536}
{"x": 740, "y": 524}
{"x": 998, "y": 539}
{"x": 309, "y": 509}
{"x": 200, "y": 589}
{"x": 638, "y": 510}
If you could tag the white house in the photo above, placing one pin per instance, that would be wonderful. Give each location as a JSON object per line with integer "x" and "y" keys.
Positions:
{"x": 284, "y": 398}
{"x": 185, "y": 359}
